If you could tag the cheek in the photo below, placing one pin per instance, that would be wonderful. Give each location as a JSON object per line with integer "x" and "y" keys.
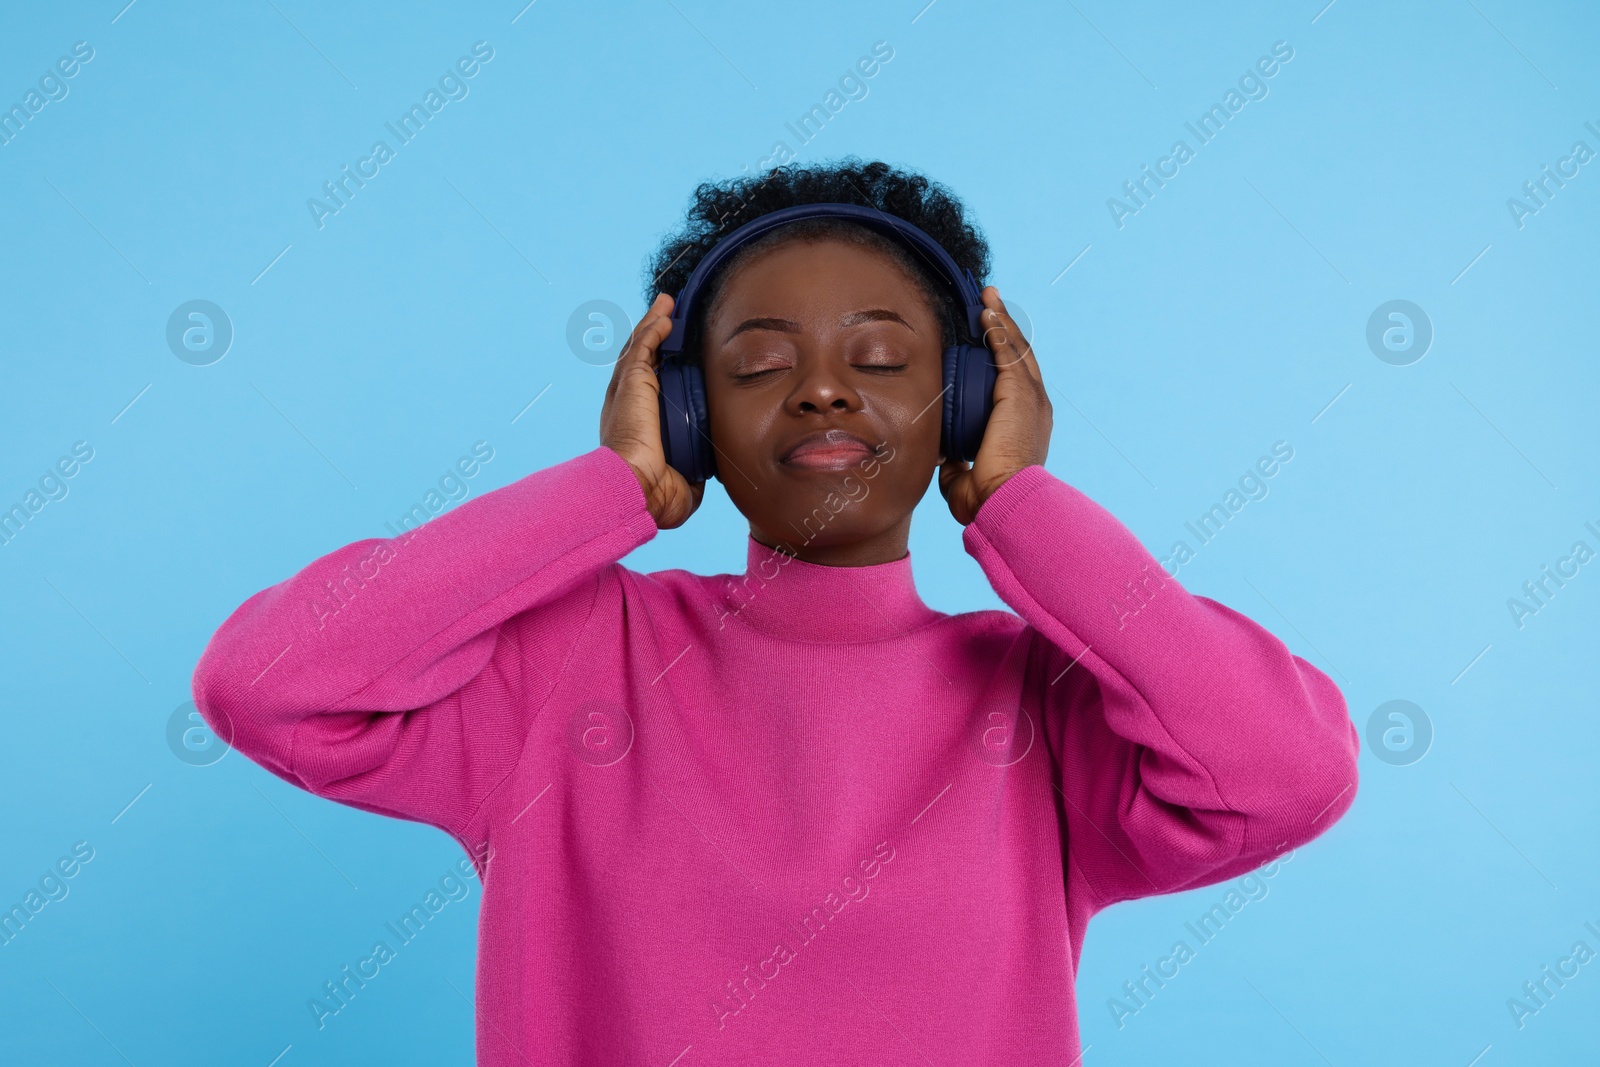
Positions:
{"x": 914, "y": 411}
{"x": 737, "y": 421}
{"x": 741, "y": 425}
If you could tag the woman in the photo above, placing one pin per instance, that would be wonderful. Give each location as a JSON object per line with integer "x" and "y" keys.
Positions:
{"x": 793, "y": 815}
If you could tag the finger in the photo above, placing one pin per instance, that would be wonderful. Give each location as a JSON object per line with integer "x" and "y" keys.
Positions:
{"x": 653, "y": 328}
{"x": 642, "y": 342}
{"x": 950, "y": 471}
{"x": 1012, "y": 345}
{"x": 1018, "y": 340}
{"x": 997, "y": 334}
{"x": 637, "y": 339}
{"x": 1001, "y": 335}
{"x": 628, "y": 346}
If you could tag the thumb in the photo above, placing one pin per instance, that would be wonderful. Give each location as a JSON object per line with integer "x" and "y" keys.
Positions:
{"x": 950, "y": 472}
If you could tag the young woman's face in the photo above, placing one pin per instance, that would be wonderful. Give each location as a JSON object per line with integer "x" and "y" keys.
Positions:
{"x": 816, "y": 336}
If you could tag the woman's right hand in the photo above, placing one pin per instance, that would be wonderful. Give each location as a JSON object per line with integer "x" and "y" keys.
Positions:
{"x": 630, "y": 420}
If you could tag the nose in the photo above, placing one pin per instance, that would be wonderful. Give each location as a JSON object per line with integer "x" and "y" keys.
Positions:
{"x": 821, "y": 386}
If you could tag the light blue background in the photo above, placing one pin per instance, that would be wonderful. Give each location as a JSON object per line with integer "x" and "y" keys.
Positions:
{"x": 1226, "y": 315}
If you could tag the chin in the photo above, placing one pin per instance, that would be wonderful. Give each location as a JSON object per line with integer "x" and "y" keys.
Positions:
{"x": 822, "y": 527}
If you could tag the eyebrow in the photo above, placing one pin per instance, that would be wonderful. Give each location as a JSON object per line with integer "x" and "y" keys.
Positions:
{"x": 855, "y": 318}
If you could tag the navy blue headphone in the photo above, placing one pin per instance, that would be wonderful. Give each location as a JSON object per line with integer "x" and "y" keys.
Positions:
{"x": 969, "y": 369}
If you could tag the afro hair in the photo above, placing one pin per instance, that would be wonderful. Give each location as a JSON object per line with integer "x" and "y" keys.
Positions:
{"x": 718, "y": 208}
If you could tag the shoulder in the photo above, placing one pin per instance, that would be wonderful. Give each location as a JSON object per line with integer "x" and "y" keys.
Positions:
{"x": 987, "y": 636}
{"x": 671, "y": 591}
{"x": 676, "y": 584}
{"x": 988, "y": 622}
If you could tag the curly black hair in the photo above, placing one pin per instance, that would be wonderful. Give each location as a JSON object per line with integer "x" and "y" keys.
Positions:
{"x": 716, "y": 209}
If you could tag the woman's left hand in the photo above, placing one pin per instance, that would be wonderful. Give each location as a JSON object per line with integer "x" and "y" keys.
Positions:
{"x": 1018, "y": 431}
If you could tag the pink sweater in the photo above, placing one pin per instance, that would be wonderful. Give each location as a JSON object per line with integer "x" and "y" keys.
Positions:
{"x": 794, "y": 816}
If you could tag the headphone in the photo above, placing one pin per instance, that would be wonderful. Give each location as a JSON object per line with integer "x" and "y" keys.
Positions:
{"x": 969, "y": 368}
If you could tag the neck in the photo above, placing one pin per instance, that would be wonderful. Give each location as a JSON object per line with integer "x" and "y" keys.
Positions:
{"x": 885, "y": 547}
{"x": 789, "y": 597}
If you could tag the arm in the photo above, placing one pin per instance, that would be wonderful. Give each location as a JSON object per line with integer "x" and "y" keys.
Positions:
{"x": 1193, "y": 745}
{"x": 400, "y": 675}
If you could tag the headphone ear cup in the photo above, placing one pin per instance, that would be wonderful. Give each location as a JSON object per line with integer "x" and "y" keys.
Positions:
{"x": 969, "y": 377}
{"x": 952, "y": 356}
{"x": 685, "y": 431}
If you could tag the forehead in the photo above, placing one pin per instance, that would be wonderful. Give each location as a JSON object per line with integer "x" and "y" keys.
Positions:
{"x": 807, "y": 270}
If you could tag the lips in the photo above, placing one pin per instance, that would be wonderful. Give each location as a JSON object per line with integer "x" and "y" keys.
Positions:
{"x": 827, "y": 450}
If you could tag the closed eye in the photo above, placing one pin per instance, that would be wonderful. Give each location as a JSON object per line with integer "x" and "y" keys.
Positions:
{"x": 876, "y": 368}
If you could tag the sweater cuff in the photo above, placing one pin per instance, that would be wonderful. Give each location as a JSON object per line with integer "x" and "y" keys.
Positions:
{"x": 625, "y": 493}
{"x": 993, "y": 513}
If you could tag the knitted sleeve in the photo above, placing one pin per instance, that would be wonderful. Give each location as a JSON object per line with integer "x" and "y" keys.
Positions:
{"x": 1193, "y": 745}
{"x": 400, "y": 675}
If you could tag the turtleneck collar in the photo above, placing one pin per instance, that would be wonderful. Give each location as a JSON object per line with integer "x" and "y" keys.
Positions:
{"x": 787, "y": 597}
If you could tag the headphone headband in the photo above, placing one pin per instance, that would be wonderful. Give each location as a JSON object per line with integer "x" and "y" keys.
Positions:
{"x": 963, "y": 286}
